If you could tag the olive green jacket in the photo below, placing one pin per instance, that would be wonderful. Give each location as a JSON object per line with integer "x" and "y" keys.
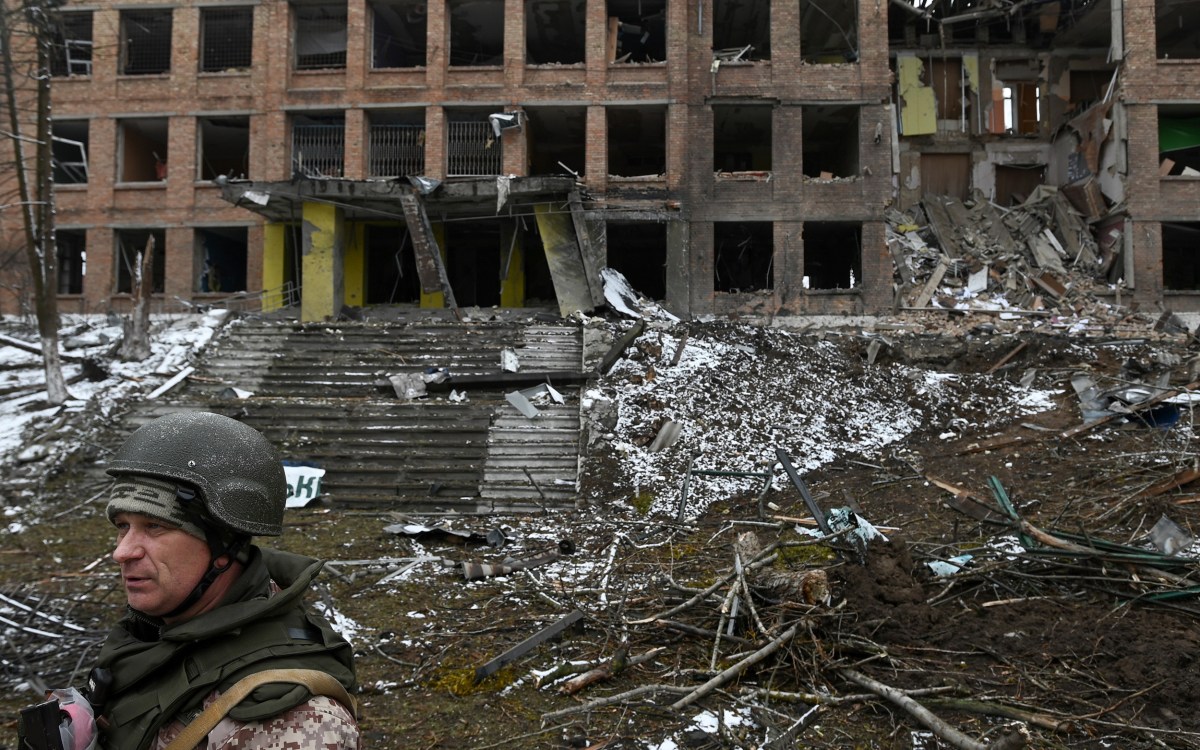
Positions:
{"x": 161, "y": 673}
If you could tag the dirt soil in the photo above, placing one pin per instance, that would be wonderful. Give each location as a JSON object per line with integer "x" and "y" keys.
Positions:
{"x": 1056, "y": 647}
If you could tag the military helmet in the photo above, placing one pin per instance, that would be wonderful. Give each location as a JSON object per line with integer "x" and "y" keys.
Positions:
{"x": 235, "y": 471}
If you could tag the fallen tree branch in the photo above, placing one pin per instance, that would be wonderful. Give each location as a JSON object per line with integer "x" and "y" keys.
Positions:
{"x": 628, "y": 695}
{"x": 736, "y": 669}
{"x": 924, "y": 716}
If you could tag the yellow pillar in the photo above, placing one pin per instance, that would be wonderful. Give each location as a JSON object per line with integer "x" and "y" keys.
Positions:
{"x": 274, "y": 266}
{"x": 321, "y": 268}
{"x": 512, "y": 286}
{"x": 436, "y": 299}
{"x": 354, "y": 267}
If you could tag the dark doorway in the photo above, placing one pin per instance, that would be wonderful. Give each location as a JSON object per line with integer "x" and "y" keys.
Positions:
{"x": 391, "y": 266}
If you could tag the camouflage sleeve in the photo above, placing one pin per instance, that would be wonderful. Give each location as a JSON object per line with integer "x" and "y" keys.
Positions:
{"x": 321, "y": 723}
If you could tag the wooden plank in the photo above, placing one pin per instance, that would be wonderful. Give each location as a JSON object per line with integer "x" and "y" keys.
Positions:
{"x": 931, "y": 286}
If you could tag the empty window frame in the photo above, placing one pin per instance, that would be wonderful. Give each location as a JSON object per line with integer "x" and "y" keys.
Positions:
{"x": 639, "y": 251}
{"x": 142, "y": 149}
{"x": 637, "y": 141}
{"x": 71, "y": 43}
{"x": 318, "y": 145}
{"x": 1179, "y": 140}
{"x": 742, "y": 29}
{"x": 1177, "y": 29}
{"x": 832, "y": 255}
{"x": 830, "y": 145}
{"x": 130, "y": 245}
{"x": 320, "y": 39}
{"x": 743, "y": 256}
{"x": 742, "y": 137}
{"x": 554, "y": 31}
{"x": 391, "y": 266}
{"x": 557, "y": 140}
{"x": 637, "y": 31}
{"x": 396, "y": 143}
{"x": 223, "y": 147}
{"x": 829, "y": 31}
{"x": 219, "y": 260}
{"x": 145, "y": 42}
{"x": 472, "y": 147}
{"x": 69, "y": 151}
{"x": 1181, "y": 255}
{"x": 398, "y": 33}
{"x": 71, "y": 246}
{"x": 226, "y": 38}
{"x": 476, "y": 32}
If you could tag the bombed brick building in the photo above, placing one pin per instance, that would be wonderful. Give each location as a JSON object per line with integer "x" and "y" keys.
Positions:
{"x": 728, "y": 157}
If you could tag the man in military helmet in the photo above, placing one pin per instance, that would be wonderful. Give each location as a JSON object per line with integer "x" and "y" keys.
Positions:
{"x": 207, "y": 608}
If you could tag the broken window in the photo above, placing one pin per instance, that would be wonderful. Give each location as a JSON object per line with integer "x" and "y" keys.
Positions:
{"x": 1179, "y": 140}
{"x": 1089, "y": 87}
{"x": 742, "y": 137}
{"x": 145, "y": 42}
{"x": 391, "y": 266}
{"x": 226, "y": 38}
{"x": 398, "y": 31}
{"x": 223, "y": 147}
{"x": 1177, "y": 29}
{"x": 72, "y": 259}
{"x": 637, "y": 141}
{"x": 832, "y": 255}
{"x": 1181, "y": 255}
{"x": 219, "y": 260}
{"x": 71, "y": 44}
{"x": 637, "y": 31}
{"x": 639, "y": 252}
{"x": 69, "y": 151}
{"x": 476, "y": 32}
{"x": 396, "y": 146}
{"x": 829, "y": 31}
{"x": 741, "y": 29}
{"x": 830, "y": 142}
{"x": 744, "y": 256}
{"x": 472, "y": 146}
{"x": 142, "y": 149}
{"x": 557, "y": 140}
{"x": 130, "y": 244}
{"x": 320, "y": 35}
{"x": 318, "y": 144}
{"x": 554, "y": 31}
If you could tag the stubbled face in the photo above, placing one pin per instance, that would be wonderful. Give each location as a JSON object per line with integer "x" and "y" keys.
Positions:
{"x": 160, "y": 564}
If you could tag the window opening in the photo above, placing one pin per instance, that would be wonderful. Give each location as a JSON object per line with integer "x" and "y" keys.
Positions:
{"x": 830, "y": 142}
{"x": 320, "y": 36}
{"x": 71, "y": 44}
{"x": 143, "y": 154}
{"x": 539, "y": 283}
{"x": 391, "y": 266}
{"x": 396, "y": 144}
{"x": 226, "y": 38}
{"x": 1181, "y": 255}
{"x": 639, "y": 252}
{"x": 832, "y": 255}
{"x": 1179, "y": 140}
{"x": 476, "y": 32}
{"x": 742, "y": 137}
{"x": 224, "y": 147}
{"x": 145, "y": 42}
{"x": 399, "y": 33}
{"x": 472, "y": 147}
{"x": 318, "y": 145}
{"x": 637, "y": 31}
{"x": 68, "y": 151}
{"x": 557, "y": 140}
{"x": 741, "y": 29}
{"x": 219, "y": 260}
{"x": 554, "y": 31}
{"x": 72, "y": 259}
{"x": 828, "y": 31}
{"x": 744, "y": 256}
{"x": 637, "y": 141}
{"x": 130, "y": 244}
{"x": 1177, "y": 29}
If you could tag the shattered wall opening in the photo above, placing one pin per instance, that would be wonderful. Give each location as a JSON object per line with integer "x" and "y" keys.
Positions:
{"x": 743, "y": 256}
{"x": 637, "y": 31}
{"x": 1181, "y": 255}
{"x": 639, "y": 252}
{"x": 398, "y": 33}
{"x": 832, "y": 254}
{"x": 742, "y": 137}
{"x": 391, "y": 266}
{"x": 219, "y": 260}
{"x": 554, "y": 31}
{"x": 130, "y": 243}
{"x": 396, "y": 143}
{"x": 830, "y": 145}
{"x": 145, "y": 42}
{"x": 1177, "y": 29}
{"x": 320, "y": 35}
{"x": 741, "y": 29}
{"x": 1016, "y": 97}
{"x": 637, "y": 141}
{"x": 473, "y": 261}
{"x": 1015, "y": 184}
{"x": 71, "y": 245}
{"x": 69, "y": 151}
{"x": 829, "y": 31}
{"x": 472, "y": 147}
{"x": 476, "y": 32}
{"x": 223, "y": 145}
{"x": 318, "y": 144}
{"x": 71, "y": 44}
{"x": 142, "y": 149}
{"x": 1179, "y": 140}
{"x": 557, "y": 140}
{"x": 226, "y": 38}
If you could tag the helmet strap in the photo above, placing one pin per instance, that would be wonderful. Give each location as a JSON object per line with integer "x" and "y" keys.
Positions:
{"x": 219, "y": 545}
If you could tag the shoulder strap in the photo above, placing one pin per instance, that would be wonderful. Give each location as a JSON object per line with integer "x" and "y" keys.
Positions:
{"x": 317, "y": 682}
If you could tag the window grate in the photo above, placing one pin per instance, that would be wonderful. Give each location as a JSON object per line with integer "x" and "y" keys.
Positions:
{"x": 473, "y": 149}
{"x": 71, "y": 44}
{"x": 145, "y": 42}
{"x": 397, "y": 150}
{"x": 317, "y": 149}
{"x": 227, "y": 38}
{"x": 320, "y": 37}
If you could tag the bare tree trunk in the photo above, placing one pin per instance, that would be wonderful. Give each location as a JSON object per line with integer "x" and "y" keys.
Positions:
{"x": 136, "y": 344}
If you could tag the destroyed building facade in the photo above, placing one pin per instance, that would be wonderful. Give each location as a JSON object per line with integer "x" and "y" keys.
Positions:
{"x": 729, "y": 157}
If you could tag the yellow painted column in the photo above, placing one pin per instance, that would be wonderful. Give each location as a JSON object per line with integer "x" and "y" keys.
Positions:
{"x": 436, "y": 299}
{"x": 354, "y": 266}
{"x": 321, "y": 267}
{"x": 512, "y": 286}
{"x": 273, "y": 266}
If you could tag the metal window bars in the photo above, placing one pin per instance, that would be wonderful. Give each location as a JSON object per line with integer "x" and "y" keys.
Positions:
{"x": 320, "y": 36}
{"x": 71, "y": 47}
{"x": 227, "y": 38}
{"x": 472, "y": 149}
{"x": 145, "y": 42}
{"x": 396, "y": 150}
{"x": 318, "y": 149}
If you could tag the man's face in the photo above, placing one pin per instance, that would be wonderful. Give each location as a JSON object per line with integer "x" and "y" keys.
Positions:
{"x": 160, "y": 564}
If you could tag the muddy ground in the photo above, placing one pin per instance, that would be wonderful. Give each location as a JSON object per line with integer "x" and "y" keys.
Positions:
{"x": 1066, "y": 648}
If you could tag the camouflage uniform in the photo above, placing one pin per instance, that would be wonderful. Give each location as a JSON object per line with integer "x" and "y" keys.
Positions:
{"x": 319, "y": 724}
